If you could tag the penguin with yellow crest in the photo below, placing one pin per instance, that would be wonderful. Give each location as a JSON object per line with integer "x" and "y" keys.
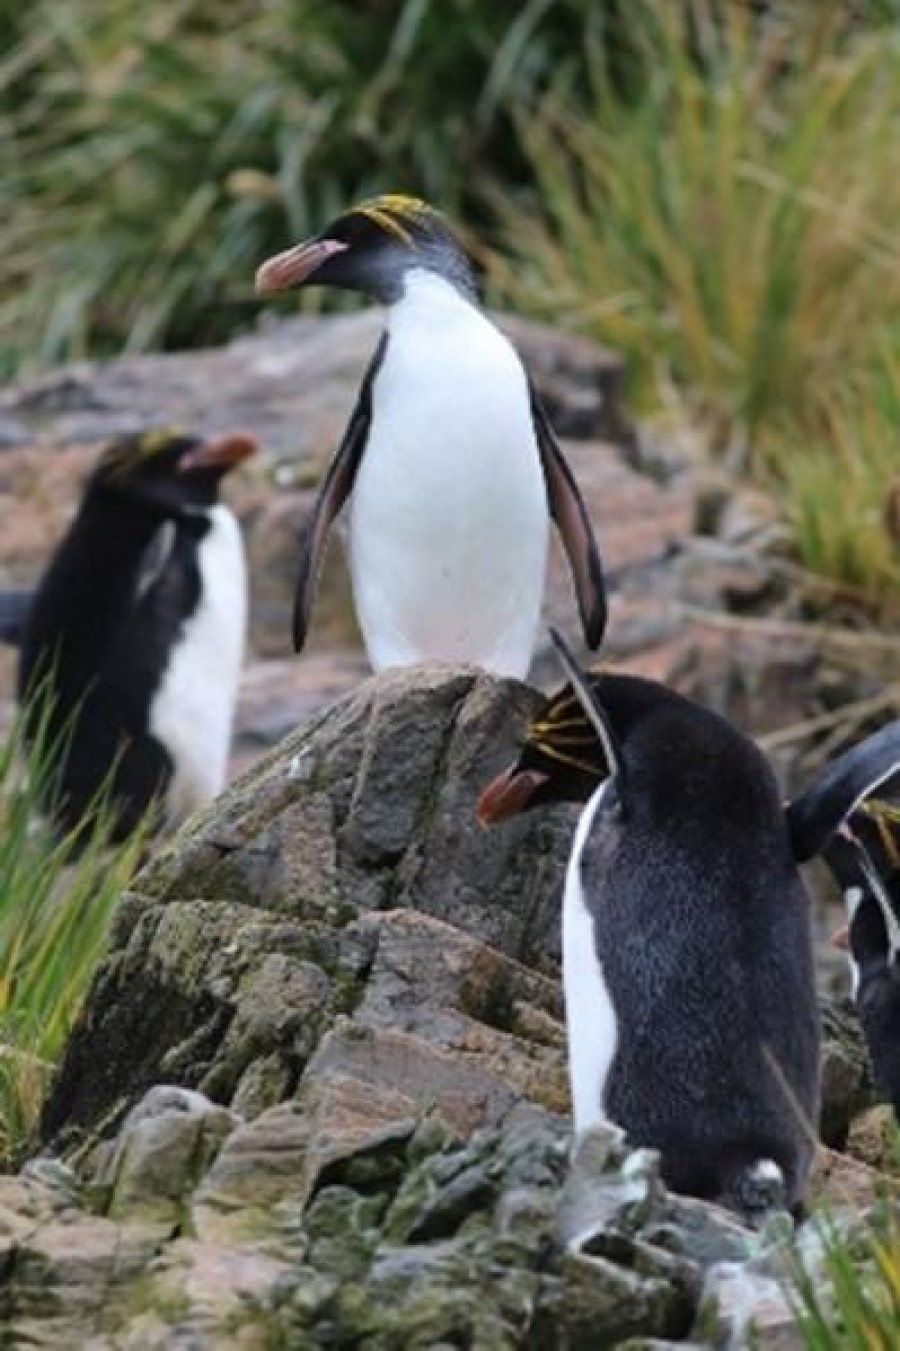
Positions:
{"x": 448, "y": 458}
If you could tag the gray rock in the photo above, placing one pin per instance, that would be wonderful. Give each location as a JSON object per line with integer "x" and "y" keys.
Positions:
{"x": 603, "y": 1303}
{"x": 743, "y": 1307}
{"x": 343, "y": 877}
{"x": 293, "y": 382}
{"x": 341, "y": 1218}
{"x": 846, "y": 1076}
{"x": 165, "y": 1145}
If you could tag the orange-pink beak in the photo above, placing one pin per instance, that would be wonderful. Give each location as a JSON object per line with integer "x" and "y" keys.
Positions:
{"x": 507, "y": 795}
{"x": 219, "y": 452}
{"x": 293, "y": 266}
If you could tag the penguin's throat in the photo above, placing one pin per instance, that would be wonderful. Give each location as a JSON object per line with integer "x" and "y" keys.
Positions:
{"x": 426, "y": 296}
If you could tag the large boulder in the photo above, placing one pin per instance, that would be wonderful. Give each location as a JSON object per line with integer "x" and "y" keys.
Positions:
{"x": 339, "y": 911}
{"x": 317, "y": 1095}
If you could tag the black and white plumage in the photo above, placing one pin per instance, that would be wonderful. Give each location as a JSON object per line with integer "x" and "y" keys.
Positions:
{"x": 691, "y": 1011}
{"x": 133, "y": 641}
{"x": 864, "y": 857}
{"x": 687, "y": 960}
{"x": 448, "y": 458}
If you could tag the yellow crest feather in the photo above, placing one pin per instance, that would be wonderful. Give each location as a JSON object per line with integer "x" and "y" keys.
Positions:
{"x": 391, "y": 211}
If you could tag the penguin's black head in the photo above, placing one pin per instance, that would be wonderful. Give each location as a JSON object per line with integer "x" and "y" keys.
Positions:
{"x": 562, "y": 760}
{"x": 371, "y": 248}
{"x": 167, "y": 471}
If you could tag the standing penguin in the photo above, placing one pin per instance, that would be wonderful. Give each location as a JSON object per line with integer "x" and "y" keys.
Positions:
{"x": 448, "y": 453}
{"x": 132, "y": 644}
{"x": 864, "y": 857}
{"x": 687, "y": 964}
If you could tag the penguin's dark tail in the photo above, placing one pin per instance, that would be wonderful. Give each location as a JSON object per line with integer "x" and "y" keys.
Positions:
{"x": 754, "y": 1189}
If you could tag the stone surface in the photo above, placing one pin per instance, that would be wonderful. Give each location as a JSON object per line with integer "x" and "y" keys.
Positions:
{"x": 846, "y": 1077}
{"x": 344, "y": 1219}
{"x": 340, "y": 913}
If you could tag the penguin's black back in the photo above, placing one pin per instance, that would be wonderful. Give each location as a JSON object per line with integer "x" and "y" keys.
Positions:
{"x": 105, "y": 619}
{"x": 701, "y": 924}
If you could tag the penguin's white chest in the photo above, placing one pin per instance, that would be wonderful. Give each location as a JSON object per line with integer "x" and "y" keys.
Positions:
{"x": 192, "y": 711}
{"x": 448, "y": 525}
{"x": 590, "y": 1017}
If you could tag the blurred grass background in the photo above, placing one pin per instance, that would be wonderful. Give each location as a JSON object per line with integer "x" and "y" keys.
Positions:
{"x": 710, "y": 186}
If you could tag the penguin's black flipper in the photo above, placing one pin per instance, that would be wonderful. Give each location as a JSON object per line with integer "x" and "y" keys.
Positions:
{"x": 336, "y": 488}
{"x": 14, "y": 610}
{"x": 593, "y": 710}
{"x": 816, "y": 814}
{"x": 573, "y": 523}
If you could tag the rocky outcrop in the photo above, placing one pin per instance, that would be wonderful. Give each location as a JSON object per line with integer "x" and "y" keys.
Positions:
{"x": 317, "y": 1096}
{"x": 339, "y": 911}
{"x": 345, "y": 1219}
{"x": 342, "y": 1219}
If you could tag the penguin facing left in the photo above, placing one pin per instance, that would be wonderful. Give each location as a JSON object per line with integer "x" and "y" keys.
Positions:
{"x": 448, "y": 459}
{"x": 864, "y": 857}
{"x": 691, "y": 1010}
{"x": 133, "y": 642}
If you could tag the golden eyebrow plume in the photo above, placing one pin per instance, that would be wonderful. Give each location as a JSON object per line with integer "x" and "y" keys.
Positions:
{"x": 389, "y": 212}
{"x": 120, "y": 458}
{"x": 562, "y": 728}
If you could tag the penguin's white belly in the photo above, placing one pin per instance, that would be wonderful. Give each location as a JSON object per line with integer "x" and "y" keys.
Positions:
{"x": 192, "y": 711}
{"x": 590, "y": 1016}
{"x": 448, "y": 527}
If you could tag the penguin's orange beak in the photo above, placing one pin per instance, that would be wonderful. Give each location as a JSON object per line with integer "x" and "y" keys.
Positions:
{"x": 508, "y": 795}
{"x": 294, "y": 266}
{"x": 219, "y": 452}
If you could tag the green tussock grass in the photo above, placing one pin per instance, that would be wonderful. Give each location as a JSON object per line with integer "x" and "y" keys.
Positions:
{"x": 857, "y": 1307}
{"x": 840, "y": 489}
{"x": 154, "y": 155}
{"x": 55, "y": 906}
{"x": 731, "y": 228}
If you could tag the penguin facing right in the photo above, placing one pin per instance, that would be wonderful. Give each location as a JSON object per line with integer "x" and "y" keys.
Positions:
{"x": 133, "y": 641}
{"x": 864, "y": 857}
{"x": 691, "y": 1010}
